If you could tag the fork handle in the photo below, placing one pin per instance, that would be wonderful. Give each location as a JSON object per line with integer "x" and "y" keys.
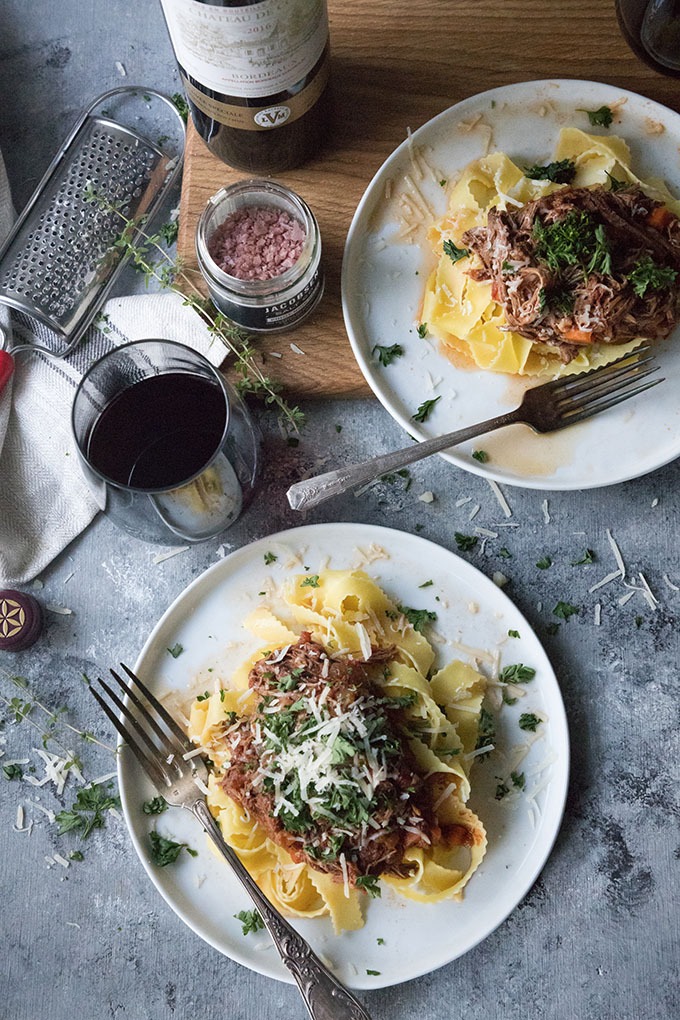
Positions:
{"x": 324, "y": 996}
{"x": 313, "y": 491}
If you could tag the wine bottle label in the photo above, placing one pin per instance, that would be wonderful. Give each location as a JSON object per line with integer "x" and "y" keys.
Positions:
{"x": 263, "y": 118}
{"x": 247, "y": 52}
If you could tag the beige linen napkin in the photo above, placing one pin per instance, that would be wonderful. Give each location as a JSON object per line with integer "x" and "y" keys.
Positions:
{"x": 44, "y": 500}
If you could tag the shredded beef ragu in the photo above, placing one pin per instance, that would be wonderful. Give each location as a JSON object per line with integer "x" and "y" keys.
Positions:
{"x": 603, "y": 306}
{"x": 395, "y": 797}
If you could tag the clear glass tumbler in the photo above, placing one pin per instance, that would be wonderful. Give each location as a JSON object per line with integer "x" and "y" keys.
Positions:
{"x": 166, "y": 444}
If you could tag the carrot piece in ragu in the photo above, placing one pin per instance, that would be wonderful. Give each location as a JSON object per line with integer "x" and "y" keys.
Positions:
{"x": 659, "y": 217}
{"x": 577, "y": 336}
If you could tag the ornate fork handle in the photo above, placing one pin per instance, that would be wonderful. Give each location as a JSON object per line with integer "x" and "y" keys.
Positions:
{"x": 325, "y": 997}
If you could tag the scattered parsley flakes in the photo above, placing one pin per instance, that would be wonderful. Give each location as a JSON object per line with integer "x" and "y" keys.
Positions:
{"x": 646, "y": 274}
{"x": 417, "y": 617}
{"x": 371, "y": 885}
{"x": 338, "y": 428}
{"x": 504, "y": 553}
{"x": 518, "y": 780}
{"x": 425, "y": 409}
{"x": 270, "y": 557}
{"x": 529, "y": 721}
{"x": 13, "y": 771}
{"x": 374, "y": 972}
{"x": 422, "y": 330}
{"x": 426, "y": 584}
{"x": 588, "y": 557}
{"x": 386, "y": 355}
{"x": 454, "y": 253}
{"x": 562, "y": 171}
{"x": 310, "y": 582}
{"x": 176, "y": 650}
{"x": 564, "y": 610}
{"x": 381, "y": 942}
{"x": 251, "y": 921}
{"x": 164, "y": 851}
{"x": 501, "y": 790}
{"x": 517, "y": 674}
{"x": 544, "y": 563}
{"x": 87, "y": 811}
{"x": 598, "y": 118}
{"x": 203, "y": 697}
{"x": 155, "y": 806}
{"x": 169, "y": 232}
{"x": 507, "y": 699}
{"x": 182, "y": 105}
{"x": 486, "y": 733}
{"x": 465, "y": 542}
{"x": 76, "y": 855}
{"x": 481, "y": 455}
{"x": 513, "y": 633}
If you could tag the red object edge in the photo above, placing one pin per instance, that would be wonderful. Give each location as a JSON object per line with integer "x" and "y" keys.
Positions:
{"x": 6, "y": 368}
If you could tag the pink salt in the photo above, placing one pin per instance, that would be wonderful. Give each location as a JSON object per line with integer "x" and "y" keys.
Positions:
{"x": 257, "y": 243}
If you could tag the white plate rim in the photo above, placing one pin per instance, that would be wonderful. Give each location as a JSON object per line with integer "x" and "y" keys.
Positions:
{"x": 607, "y": 94}
{"x": 362, "y": 534}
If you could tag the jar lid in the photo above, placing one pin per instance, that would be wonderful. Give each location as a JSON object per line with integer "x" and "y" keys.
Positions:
{"x": 21, "y": 620}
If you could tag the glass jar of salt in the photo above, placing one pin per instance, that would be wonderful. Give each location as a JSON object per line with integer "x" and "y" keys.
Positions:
{"x": 259, "y": 249}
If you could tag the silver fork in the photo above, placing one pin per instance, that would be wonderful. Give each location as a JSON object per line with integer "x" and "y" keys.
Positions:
{"x": 545, "y": 408}
{"x": 160, "y": 747}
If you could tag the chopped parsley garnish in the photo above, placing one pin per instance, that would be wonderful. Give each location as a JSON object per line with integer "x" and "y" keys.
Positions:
{"x": 544, "y": 563}
{"x": 646, "y": 274}
{"x": 176, "y": 650}
{"x": 169, "y": 232}
{"x": 517, "y": 674}
{"x": 381, "y": 942}
{"x": 601, "y": 259}
{"x": 426, "y": 584}
{"x": 504, "y": 553}
{"x": 454, "y": 253}
{"x": 386, "y": 355}
{"x": 575, "y": 240}
{"x": 374, "y": 972}
{"x": 507, "y": 699}
{"x": 417, "y": 617}
{"x": 422, "y": 330}
{"x": 518, "y": 780}
{"x": 250, "y": 921}
{"x": 164, "y": 851}
{"x": 87, "y": 811}
{"x": 203, "y": 697}
{"x": 13, "y": 771}
{"x": 155, "y": 806}
{"x": 182, "y": 105}
{"x": 76, "y": 855}
{"x": 310, "y": 582}
{"x": 602, "y": 117}
{"x": 270, "y": 557}
{"x": 564, "y": 610}
{"x": 588, "y": 557}
{"x": 529, "y": 721}
{"x": 501, "y": 790}
{"x": 465, "y": 542}
{"x": 425, "y": 409}
{"x": 371, "y": 885}
{"x": 513, "y": 633}
{"x": 562, "y": 171}
{"x": 486, "y": 733}
{"x": 614, "y": 184}
{"x": 481, "y": 455}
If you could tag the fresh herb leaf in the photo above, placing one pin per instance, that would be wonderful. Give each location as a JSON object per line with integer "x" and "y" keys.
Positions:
{"x": 518, "y": 780}
{"x": 486, "y": 733}
{"x": 250, "y": 921}
{"x": 501, "y": 791}
{"x": 507, "y": 699}
{"x": 386, "y": 355}
{"x": 454, "y": 253}
{"x": 646, "y": 274}
{"x": 374, "y": 972}
{"x": 588, "y": 557}
{"x": 381, "y": 942}
{"x": 76, "y": 855}
{"x": 169, "y": 232}
{"x": 614, "y": 184}
{"x": 164, "y": 851}
{"x": 87, "y": 811}
{"x": 504, "y": 553}
{"x": 182, "y": 105}
{"x": 417, "y": 617}
{"x": 371, "y": 885}
{"x": 425, "y": 409}
{"x": 513, "y": 633}
{"x": 562, "y": 171}
{"x": 481, "y": 455}
{"x": 517, "y": 674}
{"x": 310, "y": 582}
{"x": 575, "y": 240}
{"x": 529, "y": 721}
{"x": 564, "y": 610}
{"x": 176, "y": 650}
{"x": 155, "y": 806}
{"x": 465, "y": 542}
{"x": 422, "y": 330}
{"x": 602, "y": 117}
{"x": 203, "y": 697}
{"x": 426, "y": 584}
{"x": 601, "y": 259}
{"x": 544, "y": 563}
{"x": 13, "y": 771}
{"x": 270, "y": 557}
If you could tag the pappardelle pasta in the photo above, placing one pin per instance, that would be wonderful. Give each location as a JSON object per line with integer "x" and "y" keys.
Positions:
{"x": 510, "y": 297}
{"x": 341, "y": 760}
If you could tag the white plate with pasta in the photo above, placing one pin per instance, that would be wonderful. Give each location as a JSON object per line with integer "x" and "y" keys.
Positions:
{"x": 518, "y": 790}
{"x": 432, "y": 386}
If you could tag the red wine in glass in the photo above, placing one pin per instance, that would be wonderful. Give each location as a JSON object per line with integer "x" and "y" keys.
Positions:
{"x": 652, "y": 30}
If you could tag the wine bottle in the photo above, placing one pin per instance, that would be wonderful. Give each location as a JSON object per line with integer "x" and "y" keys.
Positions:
{"x": 255, "y": 73}
{"x": 652, "y": 30}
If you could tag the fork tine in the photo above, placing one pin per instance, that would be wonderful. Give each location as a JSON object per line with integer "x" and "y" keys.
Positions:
{"x": 629, "y": 360}
{"x": 165, "y": 716}
{"x": 149, "y": 765}
{"x": 597, "y": 406}
{"x": 603, "y": 388}
{"x": 169, "y": 743}
{"x": 602, "y": 377}
{"x": 157, "y": 754}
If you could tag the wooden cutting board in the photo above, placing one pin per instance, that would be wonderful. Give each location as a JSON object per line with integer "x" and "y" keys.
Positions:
{"x": 397, "y": 63}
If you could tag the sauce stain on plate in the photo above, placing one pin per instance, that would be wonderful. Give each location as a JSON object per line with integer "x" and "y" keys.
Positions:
{"x": 528, "y": 453}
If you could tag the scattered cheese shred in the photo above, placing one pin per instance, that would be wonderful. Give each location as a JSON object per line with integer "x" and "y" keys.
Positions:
{"x": 496, "y": 489}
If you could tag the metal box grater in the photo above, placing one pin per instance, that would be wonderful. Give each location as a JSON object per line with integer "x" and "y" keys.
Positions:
{"x": 60, "y": 259}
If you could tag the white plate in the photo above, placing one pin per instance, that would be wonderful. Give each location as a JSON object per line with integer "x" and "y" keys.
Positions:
{"x": 383, "y": 280}
{"x": 206, "y": 618}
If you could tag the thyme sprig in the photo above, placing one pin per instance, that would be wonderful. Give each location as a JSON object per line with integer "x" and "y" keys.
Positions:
{"x": 149, "y": 255}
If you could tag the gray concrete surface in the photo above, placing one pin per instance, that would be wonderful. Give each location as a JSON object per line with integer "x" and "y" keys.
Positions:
{"x": 597, "y": 936}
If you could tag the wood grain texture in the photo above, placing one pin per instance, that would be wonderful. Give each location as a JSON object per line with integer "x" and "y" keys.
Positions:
{"x": 396, "y": 64}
